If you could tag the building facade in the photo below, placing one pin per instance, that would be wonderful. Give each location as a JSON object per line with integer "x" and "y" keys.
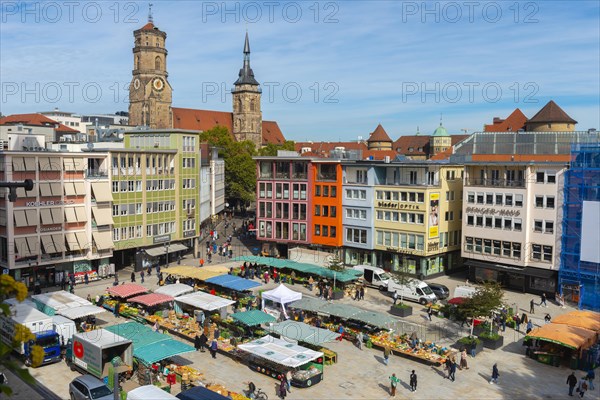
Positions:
{"x": 64, "y": 224}
{"x": 579, "y": 274}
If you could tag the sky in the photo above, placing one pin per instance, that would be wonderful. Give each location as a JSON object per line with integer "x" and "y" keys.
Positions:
{"x": 329, "y": 70}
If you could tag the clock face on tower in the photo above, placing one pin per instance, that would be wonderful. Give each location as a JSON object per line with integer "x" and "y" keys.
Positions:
{"x": 136, "y": 83}
{"x": 158, "y": 84}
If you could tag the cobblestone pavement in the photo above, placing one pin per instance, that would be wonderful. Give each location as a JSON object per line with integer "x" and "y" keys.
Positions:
{"x": 362, "y": 374}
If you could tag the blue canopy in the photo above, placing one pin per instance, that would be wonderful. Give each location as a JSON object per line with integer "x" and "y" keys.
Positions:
{"x": 233, "y": 282}
{"x": 199, "y": 392}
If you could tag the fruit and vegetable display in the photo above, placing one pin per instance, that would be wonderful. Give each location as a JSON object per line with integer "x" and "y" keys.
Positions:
{"x": 305, "y": 374}
{"x": 124, "y": 309}
{"x": 400, "y": 344}
{"x": 222, "y": 390}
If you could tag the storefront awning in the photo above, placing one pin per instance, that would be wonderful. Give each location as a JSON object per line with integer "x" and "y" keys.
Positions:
{"x": 280, "y": 351}
{"x": 200, "y": 273}
{"x": 253, "y": 317}
{"x": 103, "y": 216}
{"x": 127, "y": 290}
{"x": 162, "y": 250}
{"x": 565, "y": 335}
{"x": 233, "y": 282}
{"x": 580, "y": 318}
{"x": 103, "y": 240}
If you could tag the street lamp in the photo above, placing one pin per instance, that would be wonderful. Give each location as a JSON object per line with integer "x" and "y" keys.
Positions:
{"x": 167, "y": 252}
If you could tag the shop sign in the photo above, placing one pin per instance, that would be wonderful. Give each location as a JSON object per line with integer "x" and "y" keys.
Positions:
{"x": 397, "y": 206}
{"x": 403, "y": 251}
{"x": 51, "y": 229}
{"x": 162, "y": 239}
{"x": 433, "y": 246}
{"x": 493, "y": 211}
{"x": 49, "y": 203}
{"x": 188, "y": 234}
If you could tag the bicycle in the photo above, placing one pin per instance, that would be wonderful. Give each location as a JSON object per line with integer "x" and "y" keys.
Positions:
{"x": 260, "y": 395}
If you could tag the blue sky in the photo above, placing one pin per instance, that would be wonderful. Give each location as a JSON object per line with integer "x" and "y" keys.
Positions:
{"x": 356, "y": 63}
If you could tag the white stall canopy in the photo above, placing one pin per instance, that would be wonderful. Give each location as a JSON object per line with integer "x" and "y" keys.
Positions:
{"x": 280, "y": 351}
{"x": 175, "y": 289}
{"x": 204, "y": 301}
{"x": 282, "y": 295}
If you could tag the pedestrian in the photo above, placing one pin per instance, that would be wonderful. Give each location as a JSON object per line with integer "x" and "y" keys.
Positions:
{"x": 201, "y": 262}
{"x": 197, "y": 343}
{"x": 395, "y": 297}
{"x": 591, "y": 375}
{"x": 543, "y": 300}
{"x": 531, "y": 307}
{"x": 359, "y": 340}
{"x": 142, "y": 275}
{"x": 116, "y": 310}
{"x": 132, "y": 276}
{"x": 149, "y": 270}
{"x": 517, "y": 323}
{"x": 452, "y": 373}
{"x": 447, "y": 367}
{"x": 583, "y": 386}
{"x": 213, "y": 348}
{"x": 282, "y": 388}
{"x": 288, "y": 380}
{"x": 341, "y": 332}
{"x": 203, "y": 341}
{"x": 529, "y": 327}
{"x": 356, "y": 294}
{"x": 386, "y": 355}
{"x": 495, "y": 374}
{"x": 429, "y": 312}
{"x": 572, "y": 382}
{"x": 86, "y": 278}
{"x": 156, "y": 326}
{"x": 547, "y": 318}
{"x": 413, "y": 381}
{"x": 463, "y": 359}
{"x": 393, "y": 383}
{"x": 362, "y": 293}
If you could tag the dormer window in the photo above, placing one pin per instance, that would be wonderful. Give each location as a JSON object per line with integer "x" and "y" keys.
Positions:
{"x": 410, "y": 149}
{"x": 420, "y": 149}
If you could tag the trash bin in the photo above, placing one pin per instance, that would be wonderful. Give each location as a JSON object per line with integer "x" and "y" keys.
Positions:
{"x": 574, "y": 363}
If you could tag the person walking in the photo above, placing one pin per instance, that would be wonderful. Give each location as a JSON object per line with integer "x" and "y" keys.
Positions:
{"x": 529, "y": 327}
{"x": 531, "y": 307}
{"x": 132, "y": 276}
{"x": 572, "y": 382}
{"x": 203, "y": 341}
{"x": 362, "y": 293}
{"x": 341, "y": 332}
{"x": 386, "y": 355}
{"x": 517, "y": 323}
{"x": 583, "y": 386}
{"x": 395, "y": 297}
{"x": 282, "y": 388}
{"x": 213, "y": 348}
{"x": 591, "y": 375}
{"x": 288, "y": 380}
{"x": 543, "y": 300}
{"x": 448, "y": 367}
{"x": 393, "y": 383}
{"x": 413, "y": 381}
{"x": 197, "y": 343}
{"x": 86, "y": 279}
{"x": 463, "y": 359}
{"x": 429, "y": 312}
{"x": 452, "y": 373}
{"x": 495, "y": 374}
{"x": 116, "y": 310}
{"x": 359, "y": 340}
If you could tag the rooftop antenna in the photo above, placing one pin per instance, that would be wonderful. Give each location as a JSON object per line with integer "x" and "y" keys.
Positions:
{"x": 150, "y": 19}
{"x": 441, "y": 115}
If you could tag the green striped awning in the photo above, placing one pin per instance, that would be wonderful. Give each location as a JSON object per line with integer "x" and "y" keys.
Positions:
{"x": 253, "y": 317}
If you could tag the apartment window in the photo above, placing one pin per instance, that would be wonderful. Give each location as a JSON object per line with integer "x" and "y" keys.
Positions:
{"x": 539, "y": 201}
{"x": 361, "y": 176}
{"x": 536, "y": 252}
{"x": 318, "y": 190}
{"x": 489, "y": 198}
{"x": 333, "y": 191}
{"x": 478, "y": 245}
{"x": 540, "y": 177}
{"x": 333, "y": 211}
{"x": 325, "y": 210}
{"x": 518, "y": 200}
{"x": 470, "y": 197}
{"x": 547, "y": 253}
{"x": 325, "y": 230}
{"x": 499, "y": 199}
{"x": 325, "y": 191}
{"x": 549, "y": 201}
{"x": 516, "y": 250}
{"x": 496, "y": 247}
{"x": 261, "y": 190}
{"x": 303, "y": 192}
{"x": 413, "y": 177}
{"x": 549, "y": 227}
{"x": 317, "y": 230}
{"x": 479, "y": 198}
{"x": 498, "y": 223}
{"x": 421, "y": 197}
{"x": 469, "y": 244}
{"x": 487, "y": 246}
{"x": 518, "y": 224}
{"x": 332, "y": 231}
{"x": 278, "y": 190}
{"x": 115, "y": 210}
{"x": 115, "y": 186}
{"x": 507, "y": 224}
{"x": 479, "y": 220}
{"x": 116, "y": 235}
{"x": 551, "y": 178}
{"x": 356, "y": 235}
{"x": 488, "y": 222}
{"x": 317, "y": 210}
{"x": 538, "y": 226}
{"x": 506, "y": 249}
{"x": 508, "y": 200}
{"x": 470, "y": 220}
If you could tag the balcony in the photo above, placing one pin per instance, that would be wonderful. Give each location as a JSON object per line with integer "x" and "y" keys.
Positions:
{"x": 96, "y": 173}
{"x": 512, "y": 183}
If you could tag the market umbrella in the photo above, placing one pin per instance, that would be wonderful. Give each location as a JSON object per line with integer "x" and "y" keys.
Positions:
{"x": 568, "y": 336}
{"x": 457, "y": 301}
{"x": 580, "y": 318}
{"x": 253, "y": 317}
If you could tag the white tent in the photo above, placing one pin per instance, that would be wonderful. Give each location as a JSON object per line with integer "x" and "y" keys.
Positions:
{"x": 280, "y": 351}
{"x": 204, "y": 301}
{"x": 81, "y": 311}
{"x": 175, "y": 289}
{"x": 282, "y": 295}
{"x": 149, "y": 392}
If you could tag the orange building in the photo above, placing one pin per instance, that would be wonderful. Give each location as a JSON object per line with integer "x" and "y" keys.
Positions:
{"x": 325, "y": 177}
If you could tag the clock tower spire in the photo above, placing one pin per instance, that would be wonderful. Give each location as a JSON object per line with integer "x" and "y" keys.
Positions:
{"x": 150, "y": 94}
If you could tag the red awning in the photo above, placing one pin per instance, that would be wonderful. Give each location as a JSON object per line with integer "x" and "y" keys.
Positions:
{"x": 457, "y": 300}
{"x": 151, "y": 299}
{"x": 127, "y": 290}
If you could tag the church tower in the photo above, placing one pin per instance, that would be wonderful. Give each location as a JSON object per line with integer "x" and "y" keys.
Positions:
{"x": 150, "y": 94}
{"x": 247, "y": 116}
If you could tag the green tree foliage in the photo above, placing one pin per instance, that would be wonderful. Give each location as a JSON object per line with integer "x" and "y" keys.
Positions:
{"x": 486, "y": 299}
{"x": 403, "y": 277}
{"x": 335, "y": 263}
{"x": 240, "y": 168}
{"x": 271, "y": 149}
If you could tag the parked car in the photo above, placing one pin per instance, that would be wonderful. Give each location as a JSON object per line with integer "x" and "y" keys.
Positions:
{"x": 88, "y": 387}
{"x": 441, "y": 291}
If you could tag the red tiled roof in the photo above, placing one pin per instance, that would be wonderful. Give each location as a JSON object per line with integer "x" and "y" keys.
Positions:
{"x": 379, "y": 135}
{"x": 458, "y": 138}
{"x": 203, "y": 120}
{"x": 127, "y": 290}
{"x": 325, "y": 147}
{"x": 443, "y": 155}
{"x": 148, "y": 27}
{"x": 415, "y": 142}
{"x": 36, "y": 120}
{"x": 515, "y": 122}
{"x": 551, "y": 112}
{"x": 151, "y": 299}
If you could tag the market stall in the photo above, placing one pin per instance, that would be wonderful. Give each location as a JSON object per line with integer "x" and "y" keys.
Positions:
{"x": 52, "y": 302}
{"x": 126, "y": 290}
{"x": 280, "y": 295}
{"x": 252, "y": 318}
{"x": 151, "y": 301}
{"x": 559, "y": 343}
{"x": 301, "y": 332}
{"x": 175, "y": 289}
{"x": 81, "y": 312}
{"x": 149, "y": 392}
{"x": 200, "y": 273}
{"x": 401, "y": 345}
{"x": 233, "y": 282}
{"x": 203, "y": 393}
{"x": 580, "y": 318}
{"x": 203, "y": 301}
{"x": 274, "y": 357}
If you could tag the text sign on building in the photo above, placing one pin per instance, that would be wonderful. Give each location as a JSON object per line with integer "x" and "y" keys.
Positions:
{"x": 493, "y": 211}
{"x": 188, "y": 234}
{"x": 162, "y": 239}
{"x": 384, "y": 204}
{"x": 49, "y": 203}
{"x": 51, "y": 229}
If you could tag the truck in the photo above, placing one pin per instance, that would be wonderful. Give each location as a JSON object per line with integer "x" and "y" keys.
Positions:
{"x": 374, "y": 276}
{"x": 414, "y": 290}
{"x": 464, "y": 291}
{"x": 92, "y": 352}
{"x": 40, "y": 326}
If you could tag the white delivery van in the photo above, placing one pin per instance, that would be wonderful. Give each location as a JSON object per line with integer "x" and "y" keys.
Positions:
{"x": 64, "y": 327}
{"x": 374, "y": 276}
{"x": 464, "y": 291}
{"x": 415, "y": 290}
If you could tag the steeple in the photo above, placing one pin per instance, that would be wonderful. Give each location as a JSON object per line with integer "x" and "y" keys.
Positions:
{"x": 246, "y": 75}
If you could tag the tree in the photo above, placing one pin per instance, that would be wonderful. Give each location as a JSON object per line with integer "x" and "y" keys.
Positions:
{"x": 240, "y": 168}
{"x": 9, "y": 288}
{"x": 271, "y": 149}
{"x": 484, "y": 301}
{"x": 336, "y": 265}
{"x": 402, "y": 277}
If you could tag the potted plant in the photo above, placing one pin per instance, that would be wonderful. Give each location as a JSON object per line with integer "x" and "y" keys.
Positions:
{"x": 491, "y": 340}
{"x": 401, "y": 310}
{"x": 470, "y": 343}
{"x": 336, "y": 265}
